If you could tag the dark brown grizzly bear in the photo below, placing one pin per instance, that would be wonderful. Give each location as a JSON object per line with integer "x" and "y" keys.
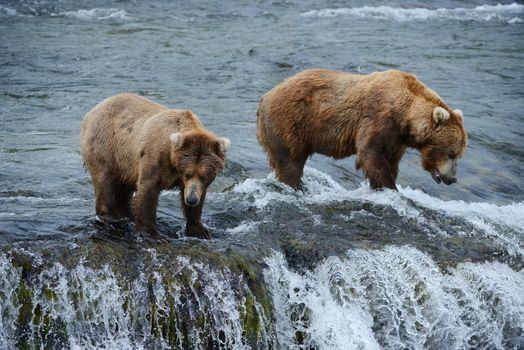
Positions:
{"x": 131, "y": 144}
{"x": 375, "y": 116}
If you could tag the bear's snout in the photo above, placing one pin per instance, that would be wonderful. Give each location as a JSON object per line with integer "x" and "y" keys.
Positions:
{"x": 192, "y": 199}
{"x": 449, "y": 180}
{"x": 192, "y": 192}
{"x": 439, "y": 177}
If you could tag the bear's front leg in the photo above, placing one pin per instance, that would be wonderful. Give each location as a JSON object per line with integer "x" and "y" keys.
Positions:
{"x": 146, "y": 201}
{"x": 376, "y": 169}
{"x": 194, "y": 227}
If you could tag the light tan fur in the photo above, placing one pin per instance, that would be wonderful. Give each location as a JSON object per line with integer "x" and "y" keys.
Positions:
{"x": 375, "y": 116}
{"x": 127, "y": 145}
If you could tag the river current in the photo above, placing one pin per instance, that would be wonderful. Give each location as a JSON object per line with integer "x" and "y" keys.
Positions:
{"x": 335, "y": 266}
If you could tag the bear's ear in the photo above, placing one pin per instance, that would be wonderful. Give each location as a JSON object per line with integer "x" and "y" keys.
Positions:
{"x": 224, "y": 144}
{"x": 177, "y": 139}
{"x": 440, "y": 115}
{"x": 458, "y": 113}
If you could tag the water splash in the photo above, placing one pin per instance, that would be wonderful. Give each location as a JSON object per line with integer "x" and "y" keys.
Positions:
{"x": 511, "y": 215}
{"x": 188, "y": 305}
{"x": 94, "y": 14}
{"x": 7, "y": 12}
{"x": 482, "y": 13}
{"x": 503, "y": 224}
{"x": 9, "y": 278}
{"x": 396, "y": 297}
{"x": 242, "y": 228}
{"x": 98, "y": 14}
{"x": 307, "y": 315}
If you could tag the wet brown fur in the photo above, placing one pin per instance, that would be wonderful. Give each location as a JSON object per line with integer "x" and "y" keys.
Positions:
{"x": 338, "y": 114}
{"x": 126, "y": 146}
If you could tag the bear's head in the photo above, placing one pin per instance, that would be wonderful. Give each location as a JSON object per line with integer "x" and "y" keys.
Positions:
{"x": 198, "y": 157}
{"x": 444, "y": 144}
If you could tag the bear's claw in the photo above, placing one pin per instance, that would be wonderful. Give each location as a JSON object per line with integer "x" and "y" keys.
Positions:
{"x": 197, "y": 231}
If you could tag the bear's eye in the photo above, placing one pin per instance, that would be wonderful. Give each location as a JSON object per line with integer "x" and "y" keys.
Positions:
{"x": 202, "y": 178}
{"x": 187, "y": 176}
{"x": 452, "y": 155}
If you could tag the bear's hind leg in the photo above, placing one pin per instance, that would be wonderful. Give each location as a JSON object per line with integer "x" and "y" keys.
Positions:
{"x": 287, "y": 168}
{"x": 123, "y": 197}
{"x": 290, "y": 171}
{"x": 107, "y": 208}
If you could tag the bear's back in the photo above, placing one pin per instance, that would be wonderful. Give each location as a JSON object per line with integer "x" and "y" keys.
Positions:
{"x": 115, "y": 131}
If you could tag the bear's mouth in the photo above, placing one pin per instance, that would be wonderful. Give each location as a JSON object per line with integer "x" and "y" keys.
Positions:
{"x": 435, "y": 174}
{"x": 438, "y": 177}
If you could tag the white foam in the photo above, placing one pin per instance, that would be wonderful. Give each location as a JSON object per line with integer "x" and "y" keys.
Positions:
{"x": 9, "y": 281}
{"x": 484, "y": 216}
{"x": 14, "y": 215}
{"x": 31, "y": 199}
{"x": 304, "y": 303}
{"x": 511, "y": 215}
{"x": 400, "y": 293}
{"x": 100, "y": 309}
{"x": 320, "y": 188}
{"x": 7, "y": 11}
{"x": 98, "y": 14}
{"x": 255, "y": 189}
{"x": 491, "y": 294}
{"x": 483, "y": 13}
{"x": 242, "y": 228}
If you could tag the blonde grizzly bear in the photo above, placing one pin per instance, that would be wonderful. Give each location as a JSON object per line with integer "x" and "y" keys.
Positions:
{"x": 375, "y": 116}
{"x": 131, "y": 144}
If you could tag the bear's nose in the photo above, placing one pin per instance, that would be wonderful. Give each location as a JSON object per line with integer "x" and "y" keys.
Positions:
{"x": 451, "y": 180}
{"x": 192, "y": 200}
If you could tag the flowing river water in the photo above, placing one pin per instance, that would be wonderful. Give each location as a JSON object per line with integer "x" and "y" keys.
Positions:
{"x": 335, "y": 266}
